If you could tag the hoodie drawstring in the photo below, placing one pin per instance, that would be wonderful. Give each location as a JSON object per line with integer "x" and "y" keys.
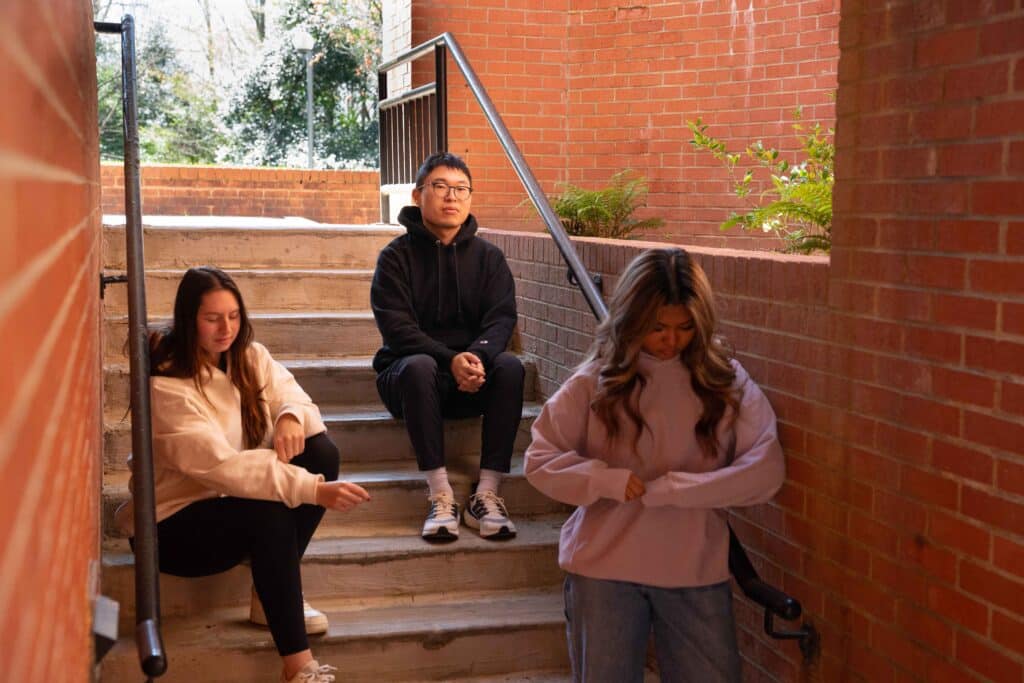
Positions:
{"x": 440, "y": 279}
{"x": 458, "y": 288}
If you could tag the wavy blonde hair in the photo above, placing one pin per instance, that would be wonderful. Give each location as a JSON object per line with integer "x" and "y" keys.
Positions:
{"x": 656, "y": 278}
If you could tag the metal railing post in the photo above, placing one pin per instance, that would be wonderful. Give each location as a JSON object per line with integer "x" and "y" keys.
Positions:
{"x": 441, "y": 97}
{"x": 152, "y": 658}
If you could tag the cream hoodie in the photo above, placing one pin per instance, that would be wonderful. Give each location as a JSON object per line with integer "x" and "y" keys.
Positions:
{"x": 675, "y": 535}
{"x": 198, "y": 442}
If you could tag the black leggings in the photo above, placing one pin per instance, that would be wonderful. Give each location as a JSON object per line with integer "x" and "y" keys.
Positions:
{"x": 216, "y": 534}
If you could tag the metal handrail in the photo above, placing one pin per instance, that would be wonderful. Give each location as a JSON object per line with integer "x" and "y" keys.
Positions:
{"x": 522, "y": 169}
{"x": 772, "y": 599}
{"x": 149, "y": 644}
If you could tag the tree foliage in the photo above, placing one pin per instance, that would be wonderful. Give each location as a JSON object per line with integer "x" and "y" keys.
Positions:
{"x": 177, "y": 114}
{"x": 267, "y": 117}
{"x": 208, "y": 113}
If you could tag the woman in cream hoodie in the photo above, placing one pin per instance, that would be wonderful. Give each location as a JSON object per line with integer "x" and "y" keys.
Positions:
{"x": 653, "y": 437}
{"x": 242, "y": 464}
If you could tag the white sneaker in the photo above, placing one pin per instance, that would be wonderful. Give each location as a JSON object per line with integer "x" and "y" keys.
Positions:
{"x": 442, "y": 522}
{"x": 486, "y": 512}
{"x": 313, "y": 672}
{"x": 316, "y": 621}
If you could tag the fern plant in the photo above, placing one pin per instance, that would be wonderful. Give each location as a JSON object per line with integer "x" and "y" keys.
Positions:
{"x": 607, "y": 212}
{"x": 800, "y": 209}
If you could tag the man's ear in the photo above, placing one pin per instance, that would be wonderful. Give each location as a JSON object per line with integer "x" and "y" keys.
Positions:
{"x": 416, "y": 194}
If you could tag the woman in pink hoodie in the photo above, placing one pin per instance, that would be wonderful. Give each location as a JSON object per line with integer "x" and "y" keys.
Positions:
{"x": 653, "y": 437}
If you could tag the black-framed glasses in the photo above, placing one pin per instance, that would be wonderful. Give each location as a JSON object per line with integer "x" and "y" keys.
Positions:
{"x": 441, "y": 190}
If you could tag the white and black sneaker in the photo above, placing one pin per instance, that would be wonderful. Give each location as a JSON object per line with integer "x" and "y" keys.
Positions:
{"x": 486, "y": 512}
{"x": 442, "y": 522}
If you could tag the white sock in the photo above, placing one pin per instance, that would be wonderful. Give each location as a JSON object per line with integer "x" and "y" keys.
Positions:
{"x": 489, "y": 481}
{"x": 437, "y": 480}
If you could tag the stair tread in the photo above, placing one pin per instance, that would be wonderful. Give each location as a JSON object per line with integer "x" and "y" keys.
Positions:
{"x": 361, "y": 272}
{"x": 394, "y": 471}
{"x": 272, "y": 315}
{"x": 434, "y": 616}
{"x": 533, "y": 532}
{"x": 251, "y": 223}
{"x": 369, "y": 412}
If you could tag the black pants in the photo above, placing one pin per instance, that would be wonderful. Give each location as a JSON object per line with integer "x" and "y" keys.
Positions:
{"x": 216, "y": 534}
{"x": 416, "y": 389}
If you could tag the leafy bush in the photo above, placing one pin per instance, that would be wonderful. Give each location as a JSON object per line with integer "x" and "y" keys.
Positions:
{"x": 800, "y": 211}
{"x": 607, "y": 212}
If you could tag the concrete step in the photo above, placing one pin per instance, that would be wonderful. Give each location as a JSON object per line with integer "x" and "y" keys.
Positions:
{"x": 363, "y": 569}
{"x": 363, "y": 434}
{"x": 398, "y": 492}
{"x": 264, "y": 290}
{"x": 335, "y": 382}
{"x": 287, "y": 335}
{"x": 328, "y": 381}
{"x": 180, "y": 242}
{"x": 437, "y": 638}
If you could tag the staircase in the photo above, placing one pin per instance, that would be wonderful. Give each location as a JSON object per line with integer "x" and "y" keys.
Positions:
{"x": 400, "y": 609}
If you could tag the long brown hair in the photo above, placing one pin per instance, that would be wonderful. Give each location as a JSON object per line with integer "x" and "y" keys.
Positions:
{"x": 175, "y": 351}
{"x": 656, "y": 278}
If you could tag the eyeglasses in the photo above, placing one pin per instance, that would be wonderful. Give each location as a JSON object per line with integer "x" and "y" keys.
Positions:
{"x": 441, "y": 190}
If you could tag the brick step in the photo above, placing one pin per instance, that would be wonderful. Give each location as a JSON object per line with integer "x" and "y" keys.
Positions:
{"x": 287, "y": 335}
{"x": 264, "y": 290}
{"x": 328, "y": 381}
{"x": 362, "y": 433}
{"x": 398, "y": 491}
{"x": 438, "y": 638}
{"x": 362, "y": 569}
{"x": 180, "y": 242}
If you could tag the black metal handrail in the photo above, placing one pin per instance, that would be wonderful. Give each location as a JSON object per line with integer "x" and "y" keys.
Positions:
{"x": 149, "y": 644}
{"x": 773, "y": 600}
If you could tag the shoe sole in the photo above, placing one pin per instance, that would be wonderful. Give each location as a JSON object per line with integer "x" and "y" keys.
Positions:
{"x": 442, "y": 535}
{"x": 502, "y": 534}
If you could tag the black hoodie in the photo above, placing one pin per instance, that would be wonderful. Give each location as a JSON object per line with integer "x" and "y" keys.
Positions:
{"x": 439, "y": 299}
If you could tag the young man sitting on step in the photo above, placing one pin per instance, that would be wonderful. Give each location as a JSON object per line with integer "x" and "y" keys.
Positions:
{"x": 444, "y": 301}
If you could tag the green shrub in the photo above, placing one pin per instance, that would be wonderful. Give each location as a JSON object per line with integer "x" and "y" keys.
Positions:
{"x": 800, "y": 206}
{"x": 607, "y": 212}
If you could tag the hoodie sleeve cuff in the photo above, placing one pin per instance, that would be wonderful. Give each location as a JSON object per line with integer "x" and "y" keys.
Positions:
{"x": 307, "y": 490}
{"x": 611, "y": 483}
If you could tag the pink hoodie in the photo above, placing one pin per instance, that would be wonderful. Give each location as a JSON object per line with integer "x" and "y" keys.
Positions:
{"x": 675, "y": 535}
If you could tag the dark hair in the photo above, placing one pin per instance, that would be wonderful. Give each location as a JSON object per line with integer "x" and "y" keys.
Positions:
{"x": 656, "y": 278}
{"x": 446, "y": 159}
{"x": 175, "y": 351}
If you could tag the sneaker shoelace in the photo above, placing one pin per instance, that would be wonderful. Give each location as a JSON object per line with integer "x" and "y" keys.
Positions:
{"x": 491, "y": 502}
{"x": 442, "y": 505}
{"x": 321, "y": 675}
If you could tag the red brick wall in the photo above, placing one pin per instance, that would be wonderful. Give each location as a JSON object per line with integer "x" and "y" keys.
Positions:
{"x": 519, "y": 50}
{"x": 926, "y": 286}
{"x": 588, "y": 89}
{"x": 323, "y": 196}
{"x": 49, "y": 340}
{"x": 895, "y": 369}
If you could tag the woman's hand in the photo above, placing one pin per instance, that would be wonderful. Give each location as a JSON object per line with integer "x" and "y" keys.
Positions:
{"x": 340, "y": 495}
{"x": 634, "y": 488}
{"x": 289, "y": 437}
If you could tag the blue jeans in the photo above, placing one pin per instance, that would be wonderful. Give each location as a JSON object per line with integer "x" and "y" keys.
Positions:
{"x": 608, "y": 624}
